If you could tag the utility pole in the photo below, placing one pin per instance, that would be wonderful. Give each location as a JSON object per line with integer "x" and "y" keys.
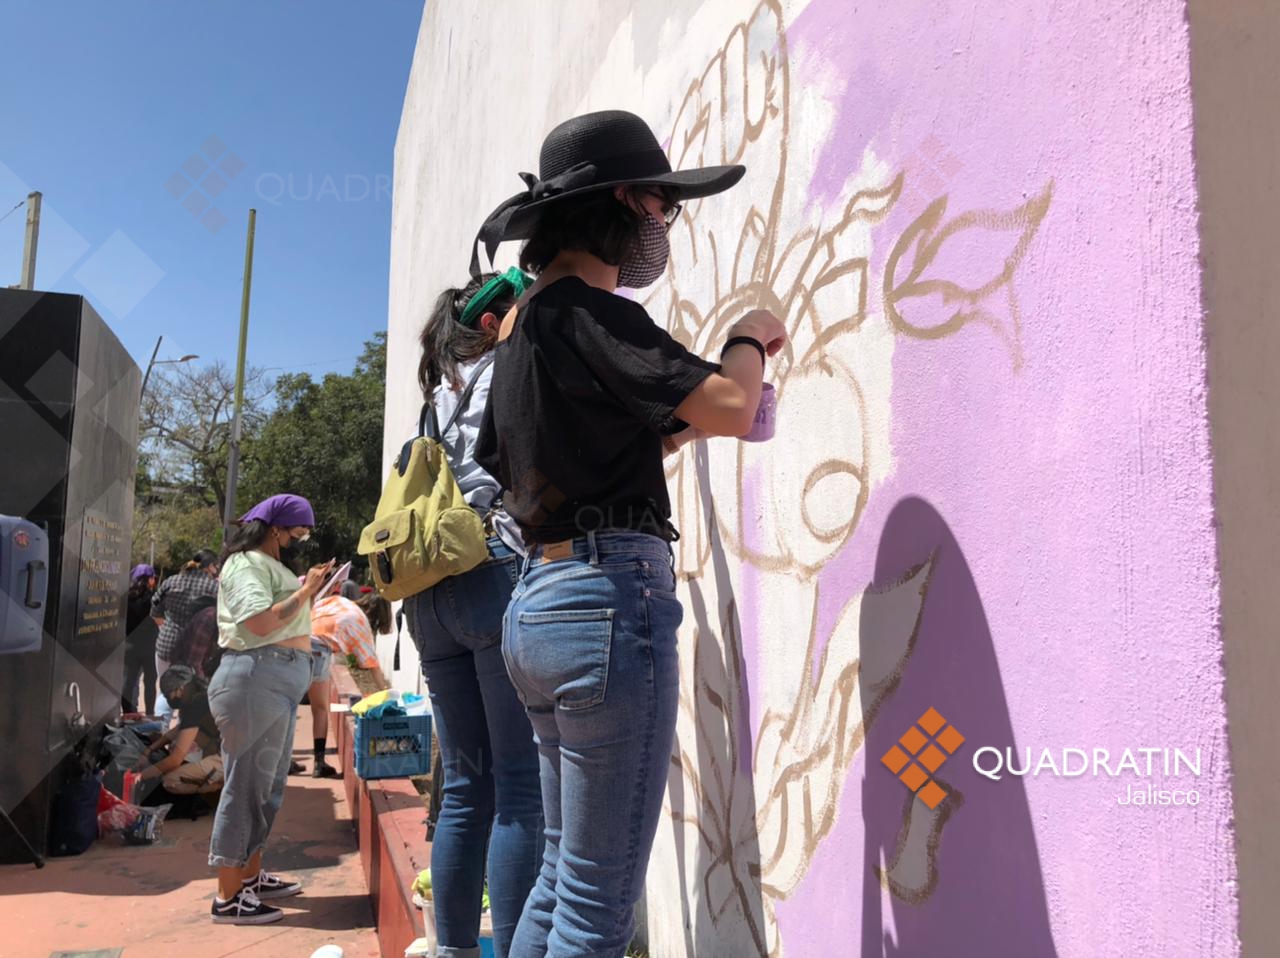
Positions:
{"x": 233, "y": 466}
{"x": 32, "y": 237}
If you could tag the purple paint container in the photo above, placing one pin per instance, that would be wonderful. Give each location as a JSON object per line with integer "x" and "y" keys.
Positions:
{"x": 766, "y": 415}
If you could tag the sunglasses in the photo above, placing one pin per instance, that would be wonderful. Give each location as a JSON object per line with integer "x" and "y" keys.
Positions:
{"x": 670, "y": 209}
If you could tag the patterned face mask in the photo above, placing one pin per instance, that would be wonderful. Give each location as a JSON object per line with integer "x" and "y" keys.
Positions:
{"x": 648, "y": 259}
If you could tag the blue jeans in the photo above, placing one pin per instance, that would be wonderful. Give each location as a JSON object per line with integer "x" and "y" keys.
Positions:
{"x": 254, "y": 699}
{"x": 490, "y": 763}
{"x": 590, "y": 642}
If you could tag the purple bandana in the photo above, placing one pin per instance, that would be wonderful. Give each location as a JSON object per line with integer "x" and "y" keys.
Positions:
{"x": 142, "y": 571}
{"x": 284, "y": 511}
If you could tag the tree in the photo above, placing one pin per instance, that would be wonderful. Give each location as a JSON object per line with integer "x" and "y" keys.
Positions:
{"x": 176, "y": 527}
{"x": 186, "y": 429}
{"x": 323, "y": 440}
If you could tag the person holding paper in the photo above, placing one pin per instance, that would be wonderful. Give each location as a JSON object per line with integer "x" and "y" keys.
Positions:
{"x": 264, "y": 628}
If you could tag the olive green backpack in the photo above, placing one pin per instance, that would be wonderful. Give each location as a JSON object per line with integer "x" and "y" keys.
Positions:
{"x": 424, "y": 531}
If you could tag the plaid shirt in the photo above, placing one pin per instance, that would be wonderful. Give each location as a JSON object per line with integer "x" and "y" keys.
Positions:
{"x": 173, "y": 602}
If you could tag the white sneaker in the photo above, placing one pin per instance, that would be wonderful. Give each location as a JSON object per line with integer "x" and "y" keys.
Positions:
{"x": 267, "y": 886}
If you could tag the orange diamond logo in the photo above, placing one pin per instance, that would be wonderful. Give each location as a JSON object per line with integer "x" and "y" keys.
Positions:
{"x": 931, "y": 748}
{"x": 950, "y": 739}
{"x": 931, "y": 721}
{"x": 894, "y": 759}
{"x": 914, "y": 777}
{"x": 913, "y": 741}
{"x": 931, "y": 758}
{"x": 931, "y": 794}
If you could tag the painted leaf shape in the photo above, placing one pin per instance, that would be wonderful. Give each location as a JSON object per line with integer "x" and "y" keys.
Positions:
{"x": 982, "y": 250}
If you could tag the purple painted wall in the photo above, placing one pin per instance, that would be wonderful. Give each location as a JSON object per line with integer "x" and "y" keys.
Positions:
{"x": 1049, "y": 464}
{"x": 1074, "y": 599}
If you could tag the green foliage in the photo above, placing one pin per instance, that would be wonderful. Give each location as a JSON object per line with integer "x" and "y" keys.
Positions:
{"x": 324, "y": 441}
{"x": 178, "y": 527}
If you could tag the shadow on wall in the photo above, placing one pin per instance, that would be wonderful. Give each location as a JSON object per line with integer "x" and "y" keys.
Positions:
{"x": 962, "y": 877}
{"x": 719, "y": 706}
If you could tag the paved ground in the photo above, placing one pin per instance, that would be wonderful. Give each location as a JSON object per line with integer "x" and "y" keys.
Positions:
{"x": 153, "y": 902}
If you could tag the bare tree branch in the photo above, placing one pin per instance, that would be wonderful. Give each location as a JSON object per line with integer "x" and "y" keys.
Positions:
{"x": 186, "y": 425}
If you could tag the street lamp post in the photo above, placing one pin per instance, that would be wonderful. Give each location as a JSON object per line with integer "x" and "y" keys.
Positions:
{"x": 142, "y": 394}
{"x": 160, "y": 362}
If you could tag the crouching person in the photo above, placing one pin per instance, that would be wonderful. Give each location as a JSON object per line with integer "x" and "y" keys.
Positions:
{"x": 191, "y": 762}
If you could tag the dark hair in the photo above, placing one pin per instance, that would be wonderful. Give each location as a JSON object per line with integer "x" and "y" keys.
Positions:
{"x": 595, "y": 223}
{"x": 447, "y": 344}
{"x": 378, "y": 611}
{"x": 201, "y": 560}
{"x": 247, "y": 537}
{"x": 140, "y": 587}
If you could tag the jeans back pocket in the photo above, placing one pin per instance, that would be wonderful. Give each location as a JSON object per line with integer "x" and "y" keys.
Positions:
{"x": 565, "y": 654}
{"x": 477, "y": 601}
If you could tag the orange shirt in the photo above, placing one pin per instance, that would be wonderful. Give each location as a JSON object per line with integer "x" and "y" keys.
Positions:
{"x": 343, "y": 626}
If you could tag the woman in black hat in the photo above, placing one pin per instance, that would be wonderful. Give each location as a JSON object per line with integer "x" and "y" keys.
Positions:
{"x": 587, "y": 394}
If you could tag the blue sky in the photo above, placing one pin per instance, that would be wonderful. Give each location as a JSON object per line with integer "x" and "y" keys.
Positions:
{"x": 108, "y": 110}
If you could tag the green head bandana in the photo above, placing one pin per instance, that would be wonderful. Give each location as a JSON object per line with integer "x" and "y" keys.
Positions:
{"x": 513, "y": 279}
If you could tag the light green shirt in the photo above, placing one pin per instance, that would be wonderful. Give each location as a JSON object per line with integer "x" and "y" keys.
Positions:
{"x": 250, "y": 583}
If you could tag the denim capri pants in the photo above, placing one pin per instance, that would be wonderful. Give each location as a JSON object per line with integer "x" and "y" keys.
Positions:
{"x": 254, "y": 698}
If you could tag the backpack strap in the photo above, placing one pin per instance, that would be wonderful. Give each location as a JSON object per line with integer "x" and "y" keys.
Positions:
{"x": 428, "y": 418}
{"x": 465, "y": 399}
{"x": 429, "y": 424}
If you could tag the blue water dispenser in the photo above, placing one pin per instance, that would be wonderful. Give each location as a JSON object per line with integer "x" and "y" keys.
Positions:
{"x": 24, "y": 584}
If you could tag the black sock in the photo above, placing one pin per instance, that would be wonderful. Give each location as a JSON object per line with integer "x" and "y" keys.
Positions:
{"x": 319, "y": 748}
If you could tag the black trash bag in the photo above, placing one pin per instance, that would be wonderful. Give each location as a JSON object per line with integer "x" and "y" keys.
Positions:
{"x": 122, "y": 749}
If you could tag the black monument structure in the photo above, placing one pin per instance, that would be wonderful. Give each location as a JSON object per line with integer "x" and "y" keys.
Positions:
{"x": 69, "y": 395}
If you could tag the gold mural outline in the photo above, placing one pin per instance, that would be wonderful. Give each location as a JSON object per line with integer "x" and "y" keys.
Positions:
{"x": 790, "y": 279}
{"x": 851, "y": 678}
{"x": 929, "y": 239}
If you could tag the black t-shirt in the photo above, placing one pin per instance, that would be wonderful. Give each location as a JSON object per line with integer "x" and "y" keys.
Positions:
{"x": 583, "y": 391}
{"x": 195, "y": 714}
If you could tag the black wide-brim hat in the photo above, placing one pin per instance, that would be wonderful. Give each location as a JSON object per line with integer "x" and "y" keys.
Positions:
{"x": 595, "y": 151}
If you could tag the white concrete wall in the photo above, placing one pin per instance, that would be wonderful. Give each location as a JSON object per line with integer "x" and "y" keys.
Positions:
{"x": 468, "y": 127}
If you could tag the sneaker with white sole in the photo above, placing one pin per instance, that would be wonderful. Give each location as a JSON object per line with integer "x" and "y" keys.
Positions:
{"x": 267, "y": 886}
{"x": 244, "y": 909}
